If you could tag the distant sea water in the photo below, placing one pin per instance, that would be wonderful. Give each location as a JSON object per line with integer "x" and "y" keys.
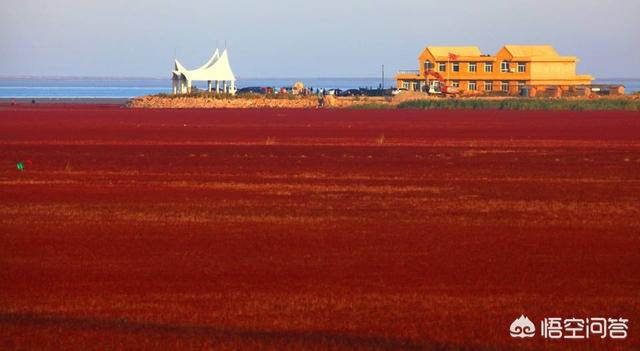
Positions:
{"x": 128, "y": 88}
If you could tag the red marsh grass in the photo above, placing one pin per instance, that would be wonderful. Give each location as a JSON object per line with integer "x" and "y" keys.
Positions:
{"x": 184, "y": 229}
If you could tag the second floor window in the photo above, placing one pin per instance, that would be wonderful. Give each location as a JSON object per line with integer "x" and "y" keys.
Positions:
{"x": 488, "y": 86}
{"x": 488, "y": 67}
{"x": 522, "y": 67}
{"x": 504, "y": 66}
{"x": 428, "y": 65}
{"x": 473, "y": 85}
{"x": 455, "y": 67}
{"x": 505, "y": 86}
{"x": 472, "y": 67}
{"x": 442, "y": 67}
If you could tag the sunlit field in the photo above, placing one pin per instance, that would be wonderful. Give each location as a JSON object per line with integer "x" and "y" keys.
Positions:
{"x": 314, "y": 229}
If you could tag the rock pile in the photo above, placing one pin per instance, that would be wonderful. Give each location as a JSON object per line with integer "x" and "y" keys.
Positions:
{"x": 255, "y": 102}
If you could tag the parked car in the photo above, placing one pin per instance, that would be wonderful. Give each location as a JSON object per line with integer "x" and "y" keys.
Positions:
{"x": 252, "y": 90}
{"x": 372, "y": 92}
{"x": 351, "y": 92}
{"x": 284, "y": 90}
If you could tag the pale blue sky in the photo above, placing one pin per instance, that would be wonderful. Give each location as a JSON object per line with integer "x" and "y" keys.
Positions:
{"x": 286, "y": 38}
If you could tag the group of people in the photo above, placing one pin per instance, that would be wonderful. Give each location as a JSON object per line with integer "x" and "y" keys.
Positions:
{"x": 13, "y": 102}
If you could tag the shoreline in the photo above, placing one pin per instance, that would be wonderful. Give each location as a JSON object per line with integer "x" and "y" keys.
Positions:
{"x": 404, "y": 101}
{"x": 66, "y": 100}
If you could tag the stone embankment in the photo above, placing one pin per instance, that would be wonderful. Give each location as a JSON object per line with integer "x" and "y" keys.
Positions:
{"x": 254, "y": 102}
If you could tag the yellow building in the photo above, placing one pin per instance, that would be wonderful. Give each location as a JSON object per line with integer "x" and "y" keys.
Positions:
{"x": 513, "y": 67}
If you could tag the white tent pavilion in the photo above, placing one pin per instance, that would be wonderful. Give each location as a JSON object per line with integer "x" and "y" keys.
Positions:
{"x": 217, "y": 70}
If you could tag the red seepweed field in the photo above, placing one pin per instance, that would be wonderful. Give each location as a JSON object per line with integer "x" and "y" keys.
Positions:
{"x": 315, "y": 229}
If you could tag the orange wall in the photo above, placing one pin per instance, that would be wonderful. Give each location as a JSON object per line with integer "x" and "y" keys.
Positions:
{"x": 560, "y": 72}
{"x": 480, "y": 74}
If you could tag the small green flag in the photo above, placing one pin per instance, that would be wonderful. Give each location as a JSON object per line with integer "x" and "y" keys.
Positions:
{"x": 20, "y": 166}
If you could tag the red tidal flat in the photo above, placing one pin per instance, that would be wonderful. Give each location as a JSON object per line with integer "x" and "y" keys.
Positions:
{"x": 314, "y": 229}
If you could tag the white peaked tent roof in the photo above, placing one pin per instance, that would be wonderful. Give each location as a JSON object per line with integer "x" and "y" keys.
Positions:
{"x": 217, "y": 68}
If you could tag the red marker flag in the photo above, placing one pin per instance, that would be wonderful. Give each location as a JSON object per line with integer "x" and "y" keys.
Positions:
{"x": 453, "y": 56}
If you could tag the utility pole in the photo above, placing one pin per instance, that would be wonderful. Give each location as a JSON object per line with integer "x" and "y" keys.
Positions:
{"x": 382, "y": 77}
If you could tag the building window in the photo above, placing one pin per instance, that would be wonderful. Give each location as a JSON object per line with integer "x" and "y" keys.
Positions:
{"x": 455, "y": 84}
{"x": 521, "y": 84}
{"x": 488, "y": 86}
{"x": 473, "y": 85}
{"x": 488, "y": 67}
{"x": 522, "y": 67}
{"x": 504, "y": 86}
{"x": 428, "y": 65}
{"x": 455, "y": 67}
{"x": 442, "y": 67}
{"x": 416, "y": 86}
{"x": 405, "y": 85}
{"x": 473, "y": 67}
{"x": 504, "y": 66}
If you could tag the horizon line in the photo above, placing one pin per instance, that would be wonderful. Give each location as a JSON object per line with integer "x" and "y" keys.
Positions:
{"x": 161, "y": 78}
{"x": 239, "y": 78}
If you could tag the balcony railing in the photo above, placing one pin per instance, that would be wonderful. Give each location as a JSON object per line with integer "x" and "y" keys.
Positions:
{"x": 415, "y": 71}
